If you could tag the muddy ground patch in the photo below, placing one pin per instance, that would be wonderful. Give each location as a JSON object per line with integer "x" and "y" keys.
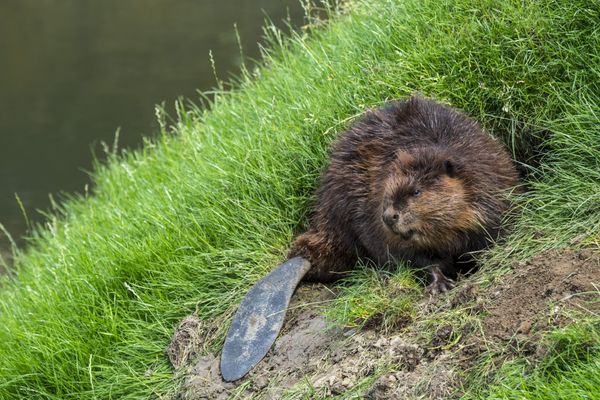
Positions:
{"x": 425, "y": 359}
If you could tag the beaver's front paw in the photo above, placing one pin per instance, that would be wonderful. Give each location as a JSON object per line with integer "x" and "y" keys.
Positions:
{"x": 440, "y": 283}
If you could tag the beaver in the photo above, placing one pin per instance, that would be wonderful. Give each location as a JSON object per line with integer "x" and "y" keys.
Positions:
{"x": 415, "y": 180}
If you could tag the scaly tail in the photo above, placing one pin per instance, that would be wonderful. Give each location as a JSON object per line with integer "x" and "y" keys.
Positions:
{"x": 259, "y": 318}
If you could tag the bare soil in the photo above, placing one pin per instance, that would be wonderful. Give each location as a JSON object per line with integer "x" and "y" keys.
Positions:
{"x": 427, "y": 359}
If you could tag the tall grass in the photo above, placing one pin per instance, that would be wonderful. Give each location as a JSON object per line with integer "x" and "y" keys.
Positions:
{"x": 189, "y": 222}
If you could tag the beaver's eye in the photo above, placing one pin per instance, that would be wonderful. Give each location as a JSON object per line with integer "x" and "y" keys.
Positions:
{"x": 416, "y": 193}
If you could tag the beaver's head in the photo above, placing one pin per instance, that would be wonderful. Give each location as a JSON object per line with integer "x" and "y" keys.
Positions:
{"x": 425, "y": 200}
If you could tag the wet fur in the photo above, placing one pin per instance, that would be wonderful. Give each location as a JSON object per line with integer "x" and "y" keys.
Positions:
{"x": 423, "y": 163}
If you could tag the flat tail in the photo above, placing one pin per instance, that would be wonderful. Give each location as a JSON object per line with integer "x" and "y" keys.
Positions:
{"x": 259, "y": 318}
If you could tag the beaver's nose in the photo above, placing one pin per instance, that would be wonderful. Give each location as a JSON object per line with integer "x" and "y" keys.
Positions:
{"x": 390, "y": 217}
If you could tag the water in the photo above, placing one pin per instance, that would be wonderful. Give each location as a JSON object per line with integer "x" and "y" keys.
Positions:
{"x": 73, "y": 71}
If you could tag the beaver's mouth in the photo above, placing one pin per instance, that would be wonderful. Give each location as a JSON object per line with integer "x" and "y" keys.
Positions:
{"x": 404, "y": 233}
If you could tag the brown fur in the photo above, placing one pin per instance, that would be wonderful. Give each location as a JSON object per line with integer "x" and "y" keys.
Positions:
{"x": 426, "y": 169}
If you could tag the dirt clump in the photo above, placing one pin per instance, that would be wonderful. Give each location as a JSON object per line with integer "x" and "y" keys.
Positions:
{"x": 504, "y": 319}
{"x": 520, "y": 304}
{"x": 185, "y": 341}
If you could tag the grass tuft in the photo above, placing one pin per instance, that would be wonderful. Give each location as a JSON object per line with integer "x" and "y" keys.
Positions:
{"x": 372, "y": 297}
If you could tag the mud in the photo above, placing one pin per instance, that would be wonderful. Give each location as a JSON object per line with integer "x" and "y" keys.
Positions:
{"x": 426, "y": 360}
{"x": 520, "y": 304}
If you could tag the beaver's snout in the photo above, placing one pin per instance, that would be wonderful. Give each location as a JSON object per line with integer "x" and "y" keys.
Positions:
{"x": 390, "y": 217}
{"x": 399, "y": 222}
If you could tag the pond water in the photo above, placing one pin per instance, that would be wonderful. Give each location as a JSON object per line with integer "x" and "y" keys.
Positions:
{"x": 73, "y": 71}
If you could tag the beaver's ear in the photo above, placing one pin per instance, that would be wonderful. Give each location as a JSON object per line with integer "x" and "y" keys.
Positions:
{"x": 449, "y": 168}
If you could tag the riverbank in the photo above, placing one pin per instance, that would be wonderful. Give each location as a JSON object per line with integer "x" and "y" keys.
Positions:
{"x": 189, "y": 222}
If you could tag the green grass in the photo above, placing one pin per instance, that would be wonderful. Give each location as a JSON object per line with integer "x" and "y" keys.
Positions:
{"x": 372, "y": 296}
{"x": 568, "y": 371}
{"x": 189, "y": 222}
